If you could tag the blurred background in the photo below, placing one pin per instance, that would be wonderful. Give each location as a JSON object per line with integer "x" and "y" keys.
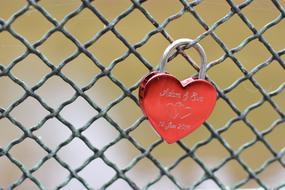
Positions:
{"x": 33, "y": 26}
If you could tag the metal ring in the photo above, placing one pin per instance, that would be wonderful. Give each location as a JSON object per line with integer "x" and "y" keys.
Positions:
{"x": 187, "y": 43}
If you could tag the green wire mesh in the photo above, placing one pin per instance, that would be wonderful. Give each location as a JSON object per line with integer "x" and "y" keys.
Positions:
{"x": 188, "y": 8}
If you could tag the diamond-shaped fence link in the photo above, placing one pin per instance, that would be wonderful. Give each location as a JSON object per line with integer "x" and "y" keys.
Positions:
{"x": 132, "y": 49}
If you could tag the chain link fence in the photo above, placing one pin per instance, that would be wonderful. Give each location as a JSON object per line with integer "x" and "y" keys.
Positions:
{"x": 130, "y": 92}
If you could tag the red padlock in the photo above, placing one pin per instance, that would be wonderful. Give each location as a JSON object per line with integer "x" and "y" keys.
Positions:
{"x": 176, "y": 108}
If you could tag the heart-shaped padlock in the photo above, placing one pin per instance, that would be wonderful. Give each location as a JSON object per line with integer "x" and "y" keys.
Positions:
{"x": 176, "y": 108}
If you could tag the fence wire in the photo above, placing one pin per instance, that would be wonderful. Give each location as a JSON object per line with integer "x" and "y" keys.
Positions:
{"x": 188, "y": 8}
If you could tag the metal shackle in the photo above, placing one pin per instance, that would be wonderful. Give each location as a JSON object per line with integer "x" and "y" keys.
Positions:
{"x": 187, "y": 43}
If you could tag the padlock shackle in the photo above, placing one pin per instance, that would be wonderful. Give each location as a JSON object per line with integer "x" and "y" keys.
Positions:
{"x": 188, "y": 43}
